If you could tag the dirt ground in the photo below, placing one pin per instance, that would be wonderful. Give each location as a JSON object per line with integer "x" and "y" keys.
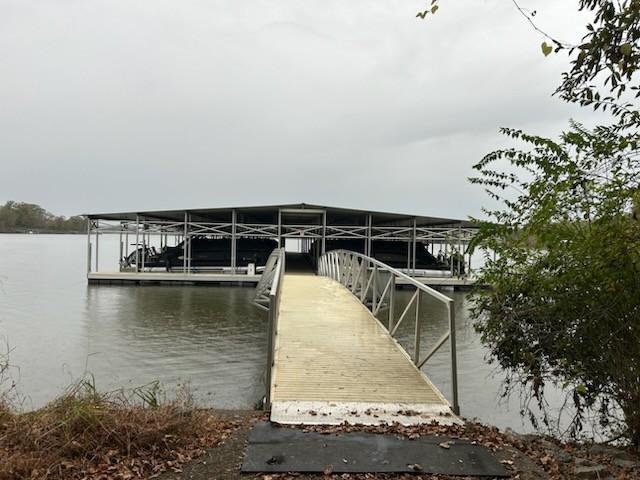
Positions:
{"x": 222, "y": 462}
{"x": 526, "y": 457}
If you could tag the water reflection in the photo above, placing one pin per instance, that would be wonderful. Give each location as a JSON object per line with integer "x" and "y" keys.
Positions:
{"x": 214, "y": 338}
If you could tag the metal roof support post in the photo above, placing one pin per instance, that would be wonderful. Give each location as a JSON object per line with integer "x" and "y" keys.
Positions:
{"x": 189, "y": 249}
{"x": 408, "y": 256}
{"x": 369, "y": 233}
{"x": 88, "y": 245}
{"x": 126, "y": 241}
{"x": 450, "y": 246}
{"x": 121, "y": 249}
{"x": 280, "y": 228}
{"x": 460, "y": 256}
{"x": 137, "y": 243}
{"x": 184, "y": 245}
{"x": 234, "y": 250}
{"x": 97, "y": 228}
{"x": 144, "y": 248}
{"x": 413, "y": 235}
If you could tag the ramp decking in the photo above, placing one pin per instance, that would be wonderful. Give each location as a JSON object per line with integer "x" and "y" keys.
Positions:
{"x": 334, "y": 362}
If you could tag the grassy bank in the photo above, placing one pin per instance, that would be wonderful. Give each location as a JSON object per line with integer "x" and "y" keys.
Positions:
{"x": 87, "y": 434}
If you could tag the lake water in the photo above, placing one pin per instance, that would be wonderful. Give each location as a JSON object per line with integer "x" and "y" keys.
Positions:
{"x": 59, "y": 328}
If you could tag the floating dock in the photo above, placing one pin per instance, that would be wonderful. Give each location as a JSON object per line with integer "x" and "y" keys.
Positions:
{"x": 171, "y": 278}
{"x": 175, "y": 278}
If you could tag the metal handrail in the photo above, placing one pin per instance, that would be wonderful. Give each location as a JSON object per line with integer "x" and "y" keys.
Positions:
{"x": 268, "y": 297}
{"x": 261, "y": 298}
{"x": 361, "y": 275}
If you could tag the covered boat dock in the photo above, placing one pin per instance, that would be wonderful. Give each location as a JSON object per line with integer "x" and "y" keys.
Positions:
{"x": 231, "y": 244}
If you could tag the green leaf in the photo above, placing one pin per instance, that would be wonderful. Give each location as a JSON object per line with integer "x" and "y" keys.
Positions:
{"x": 434, "y": 9}
{"x": 625, "y": 49}
{"x": 546, "y": 49}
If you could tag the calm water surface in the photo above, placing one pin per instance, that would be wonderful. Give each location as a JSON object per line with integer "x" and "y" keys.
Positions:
{"x": 212, "y": 337}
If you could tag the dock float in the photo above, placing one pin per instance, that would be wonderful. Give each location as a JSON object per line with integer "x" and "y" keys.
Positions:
{"x": 178, "y": 278}
{"x": 171, "y": 278}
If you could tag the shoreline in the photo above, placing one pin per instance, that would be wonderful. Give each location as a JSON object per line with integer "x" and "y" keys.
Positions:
{"x": 525, "y": 456}
{"x": 210, "y": 443}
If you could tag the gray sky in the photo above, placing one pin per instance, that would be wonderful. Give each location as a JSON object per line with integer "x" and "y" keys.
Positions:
{"x": 123, "y": 105}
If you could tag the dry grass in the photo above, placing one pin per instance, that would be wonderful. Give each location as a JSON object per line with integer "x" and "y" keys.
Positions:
{"x": 86, "y": 434}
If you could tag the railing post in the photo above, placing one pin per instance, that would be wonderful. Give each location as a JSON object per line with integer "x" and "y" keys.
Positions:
{"x": 365, "y": 280}
{"x": 355, "y": 279}
{"x": 270, "y": 345}
{"x": 392, "y": 296}
{"x": 416, "y": 341}
{"x": 349, "y": 279}
{"x": 454, "y": 361}
{"x": 374, "y": 288}
{"x": 330, "y": 266}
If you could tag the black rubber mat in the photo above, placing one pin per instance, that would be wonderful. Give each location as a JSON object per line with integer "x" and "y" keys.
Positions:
{"x": 276, "y": 449}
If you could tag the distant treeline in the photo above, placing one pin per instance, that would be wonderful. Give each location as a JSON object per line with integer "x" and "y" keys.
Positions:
{"x": 20, "y": 217}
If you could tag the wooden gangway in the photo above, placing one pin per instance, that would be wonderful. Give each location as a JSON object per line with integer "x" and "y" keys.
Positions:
{"x": 332, "y": 360}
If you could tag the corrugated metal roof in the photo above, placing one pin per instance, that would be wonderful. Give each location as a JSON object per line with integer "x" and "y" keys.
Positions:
{"x": 379, "y": 217}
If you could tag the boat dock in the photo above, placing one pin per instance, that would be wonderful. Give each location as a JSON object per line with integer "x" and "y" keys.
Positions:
{"x": 230, "y": 245}
{"x": 332, "y": 353}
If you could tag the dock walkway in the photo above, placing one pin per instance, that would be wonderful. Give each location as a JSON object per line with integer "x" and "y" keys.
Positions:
{"x": 334, "y": 362}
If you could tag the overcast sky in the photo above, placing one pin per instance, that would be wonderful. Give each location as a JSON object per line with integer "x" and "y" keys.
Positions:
{"x": 130, "y": 105}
